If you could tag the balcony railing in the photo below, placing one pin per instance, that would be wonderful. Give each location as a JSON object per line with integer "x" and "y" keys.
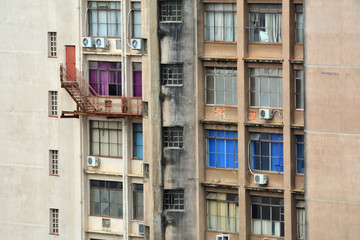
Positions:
{"x": 90, "y": 103}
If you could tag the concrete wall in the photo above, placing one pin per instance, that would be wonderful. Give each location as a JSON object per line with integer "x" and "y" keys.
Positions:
{"x": 28, "y": 133}
{"x": 331, "y": 120}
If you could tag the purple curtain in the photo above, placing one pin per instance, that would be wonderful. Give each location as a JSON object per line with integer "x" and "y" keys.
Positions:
{"x": 137, "y": 84}
{"x": 103, "y": 83}
{"x": 94, "y": 80}
{"x": 120, "y": 83}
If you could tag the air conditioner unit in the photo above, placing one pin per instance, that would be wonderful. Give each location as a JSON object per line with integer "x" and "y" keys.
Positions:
{"x": 261, "y": 179}
{"x": 136, "y": 44}
{"x": 93, "y": 161}
{"x": 223, "y": 237}
{"x": 106, "y": 223}
{"x": 102, "y": 43}
{"x": 88, "y": 42}
{"x": 266, "y": 113}
{"x": 141, "y": 228}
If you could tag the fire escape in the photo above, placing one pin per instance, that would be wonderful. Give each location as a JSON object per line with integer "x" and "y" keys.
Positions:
{"x": 90, "y": 103}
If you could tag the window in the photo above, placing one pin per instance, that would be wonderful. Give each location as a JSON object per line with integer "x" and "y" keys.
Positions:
{"x": 222, "y": 212}
{"x": 299, "y": 89}
{"x": 299, "y": 24}
{"x": 267, "y": 216}
{"x": 105, "y": 19}
{"x": 220, "y": 22}
{"x": 172, "y": 74}
{"x": 106, "y": 198}
{"x": 300, "y": 223}
{"x": 267, "y": 152}
{"x": 222, "y": 149}
{"x": 136, "y": 21}
{"x": 170, "y": 10}
{"x": 266, "y": 88}
{"x": 106, "y": 138}
{"x": 300, "y": 157}
{"x": 53, "y": 99}
{"x": 54, "y": 221}
{"x": 105, "y": 78}
{"x": 173, "y": 137}
{"x": 221, "y": 86}
{"x": 265, "y": 23}
{"x": 138, "y": 140}
{"x": 138, "y": 201}
{"x": 137, "y": 79}
{"x": 52, "y": 38}
{"x": 174, "y": 200}
{"x": 54, "y": 164}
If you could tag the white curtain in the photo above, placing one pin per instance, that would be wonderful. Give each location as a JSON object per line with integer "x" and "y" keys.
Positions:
{"x": 219, "y": 25}
{"x": 273, "y": 27}
{"x": 256, "y": 226}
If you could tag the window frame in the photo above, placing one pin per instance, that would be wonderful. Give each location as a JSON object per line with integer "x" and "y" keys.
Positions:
{"x": 101, "y": 129}
{"x": 271, "y": 140}
{"x": 52, "y": 44}
{"x": 300, "y": 219}
{"x": 172, "y": 75}
{"x": 299, "y": 94}
{"x": 212, "y": 28}
{"x": 107, "y": 190}
{"x": 54, "y": 162}
{"x": 174, "y": 200}
{"x": 299, "y": 28}
{"x": 256, "y": 11}
{"x": 133, "y": 22}
{"x": 166, "y": 15}
{"x": 98, "y": 67}
{"x": 256, "y": 94}
{"x": 262, "y": 205}
{"x": 108, "y": 11}
{"x": 300, "y": 144}
{"x": 137, "y": 79}
{"x": 171, "y": 141}
{"x": 213, "y": 134}
{"x": 219, "y": 198}
{"x": 220, "y": 74}
{"x": 135, "y": 132}
{"x": 141, "y": 192}
{"x": 53, "y": 103}
{"x": 54, "y": 221}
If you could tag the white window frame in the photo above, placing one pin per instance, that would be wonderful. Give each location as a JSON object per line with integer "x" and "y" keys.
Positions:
{"x": 54, "y": 221}
{"x": 52, "y": 44}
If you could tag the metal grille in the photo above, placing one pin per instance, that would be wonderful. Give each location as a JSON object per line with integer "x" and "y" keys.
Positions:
{"x": 54, "y": 221}
{"x": 174, "y": 199}
{"x": 54, "y": 164}
{"x": 173, "y": 137}
{"x": 106, "y": 223}
{"x": 172, "y": 74}
{"x": 52, "y": 44}
{"x": 170, "y": 11}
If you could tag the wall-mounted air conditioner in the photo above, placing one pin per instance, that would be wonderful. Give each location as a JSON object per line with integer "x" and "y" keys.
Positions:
{"x": 223, "y": 237}
{"x": 261, "y": 179}
{"x": 136, "y": 44}
{"x": 141, "y": 228}
{"x": 93, "y": 161}
{"x": 88, "y": 42}
{"x": 102, "y": 43}
{"x": 266, "y": 113}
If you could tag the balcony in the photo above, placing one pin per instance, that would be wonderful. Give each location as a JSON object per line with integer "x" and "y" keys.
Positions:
{"x": 90, "y": 103}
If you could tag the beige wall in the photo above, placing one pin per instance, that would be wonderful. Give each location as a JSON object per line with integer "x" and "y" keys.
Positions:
{"x": 332, "y": 113}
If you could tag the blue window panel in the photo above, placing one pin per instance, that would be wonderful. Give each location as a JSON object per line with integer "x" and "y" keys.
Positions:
{"x": 220, "y": 134}
{"x": 236, "y": 135}
{"x": 281, "y": 150}
{"x": 265, "y": 164}
{"x": 264, "y": 136}
{"x": 220, "y": 160}
{"x": 211, "y": 133}
{"x": 300, "y": 138}
{"x": 137, "y": 127}
{"x": 275, "y": 164}
{"x": 211, "y": 160}
{"x": 300, "y": 166}
{"x": 256, "y": 163}
{"x": 229, "y": 134}
{"x": 265, "y": 149}
{"x": 236, "y": 147}
{"x": 230, "y": 161}
{"x": 220, "y": 146}
{"x": 236, "y": 162}
{"x": 282, "y": 164}
{"x": 275, "y": 137}
{"x": 138, "y": 152}
{"x": 211, "y": 145}
{"x": 300, "y": 151}
{"x": 230, "y": 147}
{"x": 138, "y": 141}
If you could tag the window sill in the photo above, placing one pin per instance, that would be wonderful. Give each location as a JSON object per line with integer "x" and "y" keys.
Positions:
{"x": 219, "y": 168}
{"x": 216, "y": 105}
{"x": 265, "y": 43}
{"x": 170, "y": 22}
{"x": 54, "y": 234}
{"x": 99, "y": 156}
{"x": 105, "y": 37}
{"x": 266, "y": 236}
{"x": 52, "y": 57}
{"x": 54, "y": 175}
{"x": 106, "y": 217}
{"x": 220, "y": 42}
{"x": 53, "y": 116}
{"x": 139, "y": 159}
{"x": 221, "y": 231}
